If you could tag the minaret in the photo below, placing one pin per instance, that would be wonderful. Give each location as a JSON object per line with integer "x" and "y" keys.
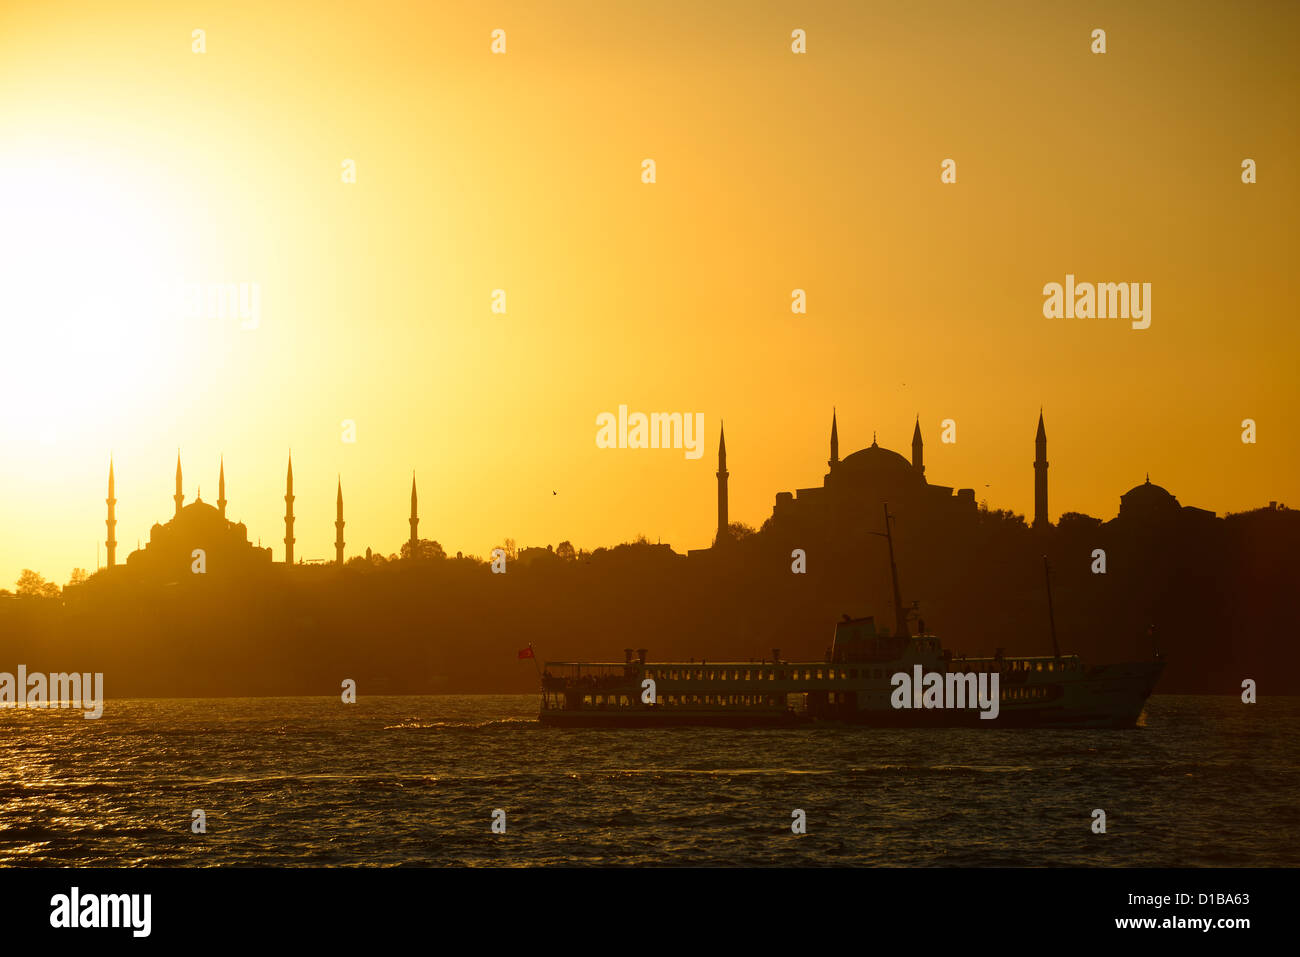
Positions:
{"x": 221, "y": 488}
{"x": 1040, "y": 475}
{"x": 414, "y": 520}
{"x": 835, "y": 442}
{"x": 338, "y": 526}
{"x": 179, "y": 496}
{"x": 288, "y": 514}
{"x": 112, "y": 518}
{"x": 724, "y": 527}
{"x": 918, "y": 450}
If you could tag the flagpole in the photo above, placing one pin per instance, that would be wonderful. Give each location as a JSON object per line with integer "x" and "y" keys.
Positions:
{"x": 541, "y": 685}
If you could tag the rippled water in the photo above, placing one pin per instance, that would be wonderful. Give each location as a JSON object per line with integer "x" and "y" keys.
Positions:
{"x": 414, "y": 780}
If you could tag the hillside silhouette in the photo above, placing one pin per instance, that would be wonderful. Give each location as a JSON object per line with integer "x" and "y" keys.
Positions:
{"x": 201, "y": 611}
{"x": 1220, "y": 594}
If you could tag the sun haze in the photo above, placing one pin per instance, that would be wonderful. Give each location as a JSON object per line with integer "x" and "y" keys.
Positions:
{"x": 452, "y": 256}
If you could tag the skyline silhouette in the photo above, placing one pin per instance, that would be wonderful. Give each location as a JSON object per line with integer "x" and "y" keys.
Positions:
{"x": 974, "y": 571}
{"x": 859, "y": 471}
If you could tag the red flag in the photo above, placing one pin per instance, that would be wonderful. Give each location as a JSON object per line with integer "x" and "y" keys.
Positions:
{"x": 527, "y": 652}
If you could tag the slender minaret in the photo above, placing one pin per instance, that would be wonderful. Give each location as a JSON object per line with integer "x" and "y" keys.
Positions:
{"x": 918, "y": 450}
{"x": 724, "y": 528}
{"x": 1040, "y": 475}
{"x": 288, "y": 514}
{"x": 221, "y": 488}
{"x": 338, "y": 525}
{"x": 835, "y": 442}
{"x": 179, "y": 496}
{"x": 112, "y": 518}
{"x": 414, "y": 519}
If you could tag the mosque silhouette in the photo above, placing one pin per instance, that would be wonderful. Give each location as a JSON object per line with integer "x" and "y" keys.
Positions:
{"x": 225, "y": 544}
{"x": 849, "y": 497}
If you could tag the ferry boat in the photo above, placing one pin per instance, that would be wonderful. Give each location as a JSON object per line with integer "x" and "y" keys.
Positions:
{"x": 856, "y": 683}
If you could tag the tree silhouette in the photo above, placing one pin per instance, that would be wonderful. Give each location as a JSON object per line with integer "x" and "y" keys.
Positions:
{"x": 739, "y": 531}
{"x": 32, "y": 585}
{"x": 425, "y": 550}
{"x": 1077, "y": 520}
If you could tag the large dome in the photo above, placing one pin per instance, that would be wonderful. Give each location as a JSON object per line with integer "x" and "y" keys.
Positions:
{"x": 875, "y": 461}
{"x": 199, "y": 514}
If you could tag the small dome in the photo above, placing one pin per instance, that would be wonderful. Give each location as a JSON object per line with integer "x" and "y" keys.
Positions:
{"x": 1147, "y": 497}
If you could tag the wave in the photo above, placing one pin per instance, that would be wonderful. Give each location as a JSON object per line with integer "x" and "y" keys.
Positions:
{"x": 492, "y": 724}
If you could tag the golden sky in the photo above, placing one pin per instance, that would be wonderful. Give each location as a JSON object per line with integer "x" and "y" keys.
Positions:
{"x": 128, "y": 161}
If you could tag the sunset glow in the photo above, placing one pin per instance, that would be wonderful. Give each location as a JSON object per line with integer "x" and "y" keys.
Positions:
{"x": 130, "y": 163}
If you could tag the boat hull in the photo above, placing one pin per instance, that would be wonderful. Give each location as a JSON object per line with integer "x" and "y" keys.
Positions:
{"x": 1105, "y": 696}
{"x": 650, "y": 718}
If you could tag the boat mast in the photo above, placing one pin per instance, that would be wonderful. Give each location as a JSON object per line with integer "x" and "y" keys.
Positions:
{"x": 900, "y": 614}
{"x": 1051, "y": 615}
